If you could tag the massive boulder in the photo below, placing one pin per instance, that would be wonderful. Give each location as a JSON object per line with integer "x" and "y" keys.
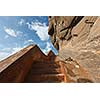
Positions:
{"x": 77, "y": 38}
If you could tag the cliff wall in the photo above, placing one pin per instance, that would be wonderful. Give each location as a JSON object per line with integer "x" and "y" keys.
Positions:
{"x": 77, "y": 38}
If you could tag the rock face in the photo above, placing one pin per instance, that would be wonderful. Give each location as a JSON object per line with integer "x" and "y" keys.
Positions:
{"x": 77, "y": 39}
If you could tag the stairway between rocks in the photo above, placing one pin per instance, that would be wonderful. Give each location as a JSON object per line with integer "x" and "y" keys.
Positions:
{"x": 30, "y": 65}
{"x": 45, "y": 72}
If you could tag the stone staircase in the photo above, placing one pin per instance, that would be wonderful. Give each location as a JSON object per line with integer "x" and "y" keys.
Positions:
{"x": 30, "y": 65}
{"x": 45, "y": 72}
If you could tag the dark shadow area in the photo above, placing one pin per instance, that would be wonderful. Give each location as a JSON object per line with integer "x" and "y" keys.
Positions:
{"x": 51, "y": 31}
{"x": 74, "y": 22}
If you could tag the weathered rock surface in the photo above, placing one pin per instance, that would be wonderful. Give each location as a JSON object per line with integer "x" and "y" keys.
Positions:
{"x": 77, "y": 39}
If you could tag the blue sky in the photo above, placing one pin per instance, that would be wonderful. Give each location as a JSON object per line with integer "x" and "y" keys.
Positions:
{"x": 17, "y": 32}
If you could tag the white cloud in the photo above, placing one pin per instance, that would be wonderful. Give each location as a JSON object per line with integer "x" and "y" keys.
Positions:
{"x": 29, "y": 41}
{"x": 18, "y": 32}
{"x": 6, "y": 37}
{"x": 16, "y": 49}
{"x": 11, "y": 32}
{"x": 6, "y": 49}
{"x": 47, "y": 48}
{"x": 6, "y": 52}
{"x": 3, "y": 55}
{"x": 21, "y": 22}
{"x": 41, "y": 29}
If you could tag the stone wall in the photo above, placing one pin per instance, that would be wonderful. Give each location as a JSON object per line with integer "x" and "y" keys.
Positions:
{"x": 16, "y": 67}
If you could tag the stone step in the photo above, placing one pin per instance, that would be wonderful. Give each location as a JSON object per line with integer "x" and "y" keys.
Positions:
{"x": 45, "y": 62}
{"x": 48, "y": 62}
{"x": 35, "y": 66}
{"x": 46, "y": 78}
{"x": 45, "y": 70}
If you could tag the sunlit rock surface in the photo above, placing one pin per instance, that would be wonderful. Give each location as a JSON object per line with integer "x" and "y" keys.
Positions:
{"x": 77, "y": 38}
